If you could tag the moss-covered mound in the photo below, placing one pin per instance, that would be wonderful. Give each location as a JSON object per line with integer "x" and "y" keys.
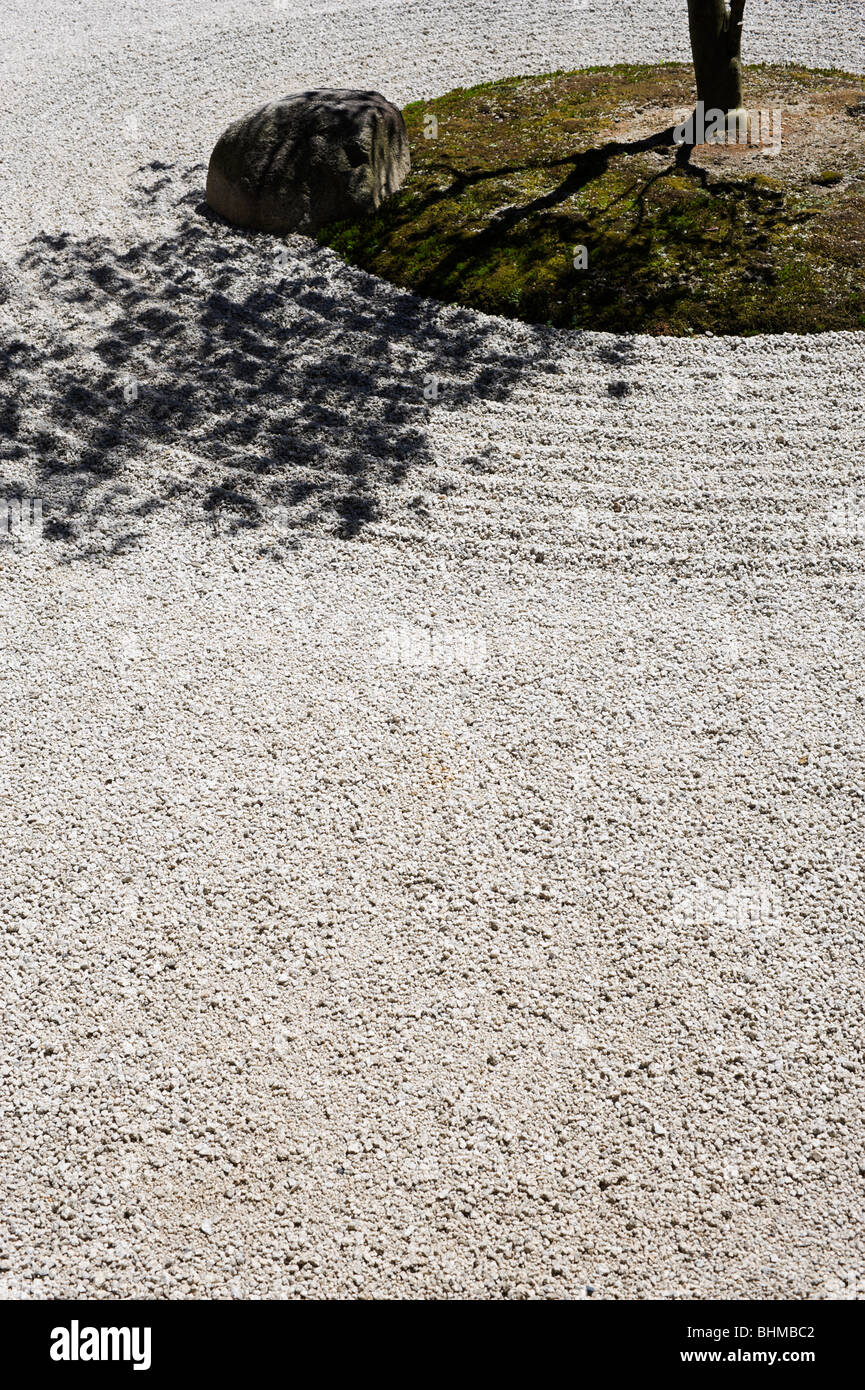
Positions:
{"x": 511, "y": 178}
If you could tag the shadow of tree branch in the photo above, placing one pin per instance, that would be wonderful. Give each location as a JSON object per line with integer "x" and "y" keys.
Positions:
{"x": 225, "y": 372}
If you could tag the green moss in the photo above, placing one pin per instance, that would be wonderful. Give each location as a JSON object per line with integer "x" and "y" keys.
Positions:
{"x": 523, "y": 171}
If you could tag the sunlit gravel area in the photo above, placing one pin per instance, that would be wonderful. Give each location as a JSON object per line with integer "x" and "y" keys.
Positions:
{"x": 431, "y": 792}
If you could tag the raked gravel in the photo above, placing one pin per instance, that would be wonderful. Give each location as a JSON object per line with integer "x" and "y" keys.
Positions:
{"x": 432, "y": 747}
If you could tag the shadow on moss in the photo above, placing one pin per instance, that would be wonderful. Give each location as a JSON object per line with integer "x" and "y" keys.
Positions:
{"x": 499, "y": 204}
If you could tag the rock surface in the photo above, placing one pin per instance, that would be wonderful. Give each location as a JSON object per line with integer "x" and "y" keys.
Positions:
{"x": 311, "y": 158}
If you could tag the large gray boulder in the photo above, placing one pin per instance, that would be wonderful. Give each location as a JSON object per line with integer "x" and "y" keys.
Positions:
{"x": 310, "y": 158}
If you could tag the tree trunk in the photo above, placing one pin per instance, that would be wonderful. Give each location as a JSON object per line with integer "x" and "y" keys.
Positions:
{"x": 716, "y": 43}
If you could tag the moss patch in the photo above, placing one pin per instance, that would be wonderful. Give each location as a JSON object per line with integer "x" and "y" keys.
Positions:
{"x": 729, "y": 239}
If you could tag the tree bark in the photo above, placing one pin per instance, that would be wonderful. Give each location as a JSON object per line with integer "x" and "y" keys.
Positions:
{"x": 716, "y": 43}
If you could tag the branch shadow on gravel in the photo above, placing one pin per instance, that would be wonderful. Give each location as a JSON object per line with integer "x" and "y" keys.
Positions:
{"x": 232, "y": 374}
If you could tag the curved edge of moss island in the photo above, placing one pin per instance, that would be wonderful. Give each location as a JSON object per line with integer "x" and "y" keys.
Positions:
{"x": 566, "y": 199}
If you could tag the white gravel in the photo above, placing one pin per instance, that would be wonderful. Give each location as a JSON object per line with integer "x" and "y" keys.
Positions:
{"x": 447, "y": 879}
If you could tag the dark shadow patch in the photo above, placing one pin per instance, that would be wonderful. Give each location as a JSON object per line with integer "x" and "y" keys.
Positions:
{"x": 249, "y": 374}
